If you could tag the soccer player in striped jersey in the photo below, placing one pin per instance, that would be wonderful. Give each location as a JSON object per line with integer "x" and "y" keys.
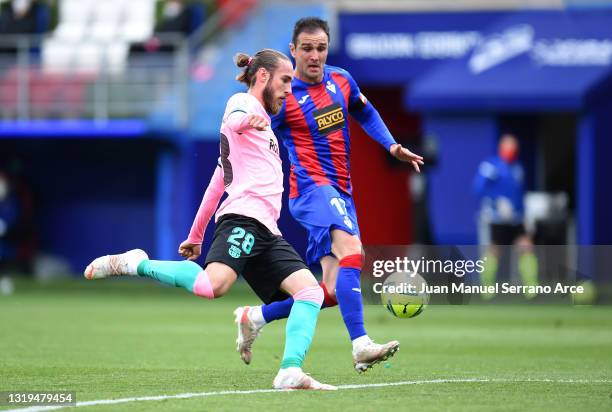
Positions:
{"x": 247, "y": 241}
{"x": 313, "y": 125}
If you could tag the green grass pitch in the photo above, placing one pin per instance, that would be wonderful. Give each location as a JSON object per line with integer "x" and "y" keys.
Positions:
{"x": 129, "y": 338}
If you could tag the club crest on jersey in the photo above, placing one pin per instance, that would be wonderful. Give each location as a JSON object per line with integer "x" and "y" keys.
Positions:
{"x": 330, "y": 118}
{"x": 331, "y": 87}
{"x": 234, "y": 252}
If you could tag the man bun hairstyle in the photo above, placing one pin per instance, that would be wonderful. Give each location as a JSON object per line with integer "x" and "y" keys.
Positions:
{"x": 266, "y": 58}
{"x": 309, "y": 25}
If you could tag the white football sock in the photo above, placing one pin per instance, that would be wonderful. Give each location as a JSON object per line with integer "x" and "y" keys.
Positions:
{"x": 256, "y": 316}
{"x": 360, "y": 342}
{"x": 133, "y": 258}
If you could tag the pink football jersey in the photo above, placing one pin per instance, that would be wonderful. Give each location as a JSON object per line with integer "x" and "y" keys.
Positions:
{"x": 251, "y": 170}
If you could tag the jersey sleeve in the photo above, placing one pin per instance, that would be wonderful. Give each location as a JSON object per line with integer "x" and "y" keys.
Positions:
{"x": 366, "y": 114}
{"x": 237, "y": 113}
{"x": 209, "y": 203}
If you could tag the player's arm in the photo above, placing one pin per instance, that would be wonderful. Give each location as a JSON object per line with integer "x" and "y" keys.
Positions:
{"x": 368, "y": 117}
{"x": 192, "y": 247}
{"x": 239, "y": 122}
{"x": 241, "y": 117}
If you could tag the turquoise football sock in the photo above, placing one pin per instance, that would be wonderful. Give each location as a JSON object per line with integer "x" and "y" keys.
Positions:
{"x": 299, "y": 332}
{"x": 180, "y": 274}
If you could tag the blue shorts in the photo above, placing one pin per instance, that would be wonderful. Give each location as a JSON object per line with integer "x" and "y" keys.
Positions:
{"x": 320, "y": 211}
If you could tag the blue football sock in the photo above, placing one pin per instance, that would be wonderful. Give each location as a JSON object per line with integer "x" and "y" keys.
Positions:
{"x": 281, "y": 309}
{"x": 348, "y": 293}
{"x": 277, "y": 310}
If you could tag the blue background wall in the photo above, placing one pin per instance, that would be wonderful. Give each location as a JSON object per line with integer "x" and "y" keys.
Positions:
{"x": 463, "y": 142}
{"x": 92, "y": 196}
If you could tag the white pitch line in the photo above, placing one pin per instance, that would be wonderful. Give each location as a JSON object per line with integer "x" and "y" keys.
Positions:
{"x": 340, "y": 387}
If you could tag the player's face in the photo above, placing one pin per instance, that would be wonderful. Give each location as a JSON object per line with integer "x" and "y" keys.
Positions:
{"x": 310, "y": 54}
{"x": 278, "y": 87}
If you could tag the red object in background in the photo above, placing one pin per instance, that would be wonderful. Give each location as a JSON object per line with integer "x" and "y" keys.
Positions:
{"x": 235, "y": 10}
{"x": 50, "y": 94}
{"x": 380, "y": 189}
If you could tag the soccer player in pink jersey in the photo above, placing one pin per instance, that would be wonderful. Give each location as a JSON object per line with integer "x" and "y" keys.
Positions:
{"x": 247, "y": 241}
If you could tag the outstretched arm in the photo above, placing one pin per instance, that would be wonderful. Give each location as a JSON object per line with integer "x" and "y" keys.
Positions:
{"x": 192, "y": 247}
{"x": 368, "y": 117}
{"x": 240, "y": 121}
{"x": 370, "y": 120}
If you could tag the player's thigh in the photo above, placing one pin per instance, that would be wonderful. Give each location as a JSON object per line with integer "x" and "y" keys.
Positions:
{"x": 321, "y": 211}
{"x": 298, "y": 280}
{"x": 345, "y": 236}
{"x": 236, "y": 240}
{"x": 324, "y": 207}
{"x": 345, "y": 244}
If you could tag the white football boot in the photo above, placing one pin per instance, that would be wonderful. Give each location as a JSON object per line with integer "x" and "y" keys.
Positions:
{"x": 115, "y": 265}
{"x": 295, "y": 378}
{"x": 372, "y": 353}
{"x": 247, "y": 333}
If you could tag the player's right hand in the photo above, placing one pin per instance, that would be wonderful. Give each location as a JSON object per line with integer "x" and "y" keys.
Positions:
{"x": 189, "y": 250}
{"x": 258, "y": 122}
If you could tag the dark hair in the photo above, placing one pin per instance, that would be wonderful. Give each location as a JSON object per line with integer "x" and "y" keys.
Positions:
{"x": 309, "y": 25}
{"x": 266, "y": 58}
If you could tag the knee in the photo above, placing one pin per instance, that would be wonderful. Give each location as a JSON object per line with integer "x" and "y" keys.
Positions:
{"x": 314, "y": 294}
{"x": 213, "y": 282}
{"x": 220, "y": 286}
{"x": 493, "y": 250}
{"x": 351, "y": 249}
{"x": 524, "y": 244}
{"x": 346, "y": 245}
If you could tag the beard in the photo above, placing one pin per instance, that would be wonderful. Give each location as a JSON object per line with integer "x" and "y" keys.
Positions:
{"x": 271, "y": 104}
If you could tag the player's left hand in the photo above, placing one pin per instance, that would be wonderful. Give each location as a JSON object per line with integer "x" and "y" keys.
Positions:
{"x": 405, "y": 155}
{"x": 191, "y": 251}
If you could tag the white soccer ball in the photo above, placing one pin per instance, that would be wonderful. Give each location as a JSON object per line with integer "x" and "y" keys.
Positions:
{"x": 404, "y": 294}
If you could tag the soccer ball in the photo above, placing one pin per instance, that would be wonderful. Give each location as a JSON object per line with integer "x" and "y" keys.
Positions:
{"x": 402, "y": 294}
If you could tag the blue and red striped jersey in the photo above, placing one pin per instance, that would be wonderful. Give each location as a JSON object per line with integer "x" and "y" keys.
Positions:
{"x": 313, "y": 125}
